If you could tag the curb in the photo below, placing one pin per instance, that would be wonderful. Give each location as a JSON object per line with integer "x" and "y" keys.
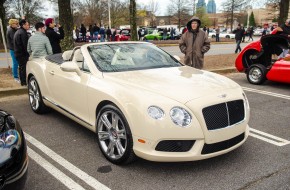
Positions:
{"x": 23, "y": 90}
{"x": 13, "y": 92}
{"x": 176, "y": 44}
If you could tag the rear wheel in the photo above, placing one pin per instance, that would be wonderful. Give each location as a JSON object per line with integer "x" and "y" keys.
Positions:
{"x": 155, "y": 38}
{"x": 114, "y": 136}
{"x": 227, "y": 36}
{"x": 256, "y": 74}
{"x": 144, "y": 38}
{"x": 213, "y": 36}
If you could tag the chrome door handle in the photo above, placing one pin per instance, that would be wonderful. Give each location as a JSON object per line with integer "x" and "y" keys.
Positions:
{"x": 51, "y": 72}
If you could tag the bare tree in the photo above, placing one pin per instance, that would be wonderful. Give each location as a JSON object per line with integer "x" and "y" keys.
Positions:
{"x": 284, "y": 8}
{"x": 153, "y": 8}
{"x": 232, "y": 6}
{"x": 66, "y": 19}
{"x": 180, "y": 9}
{"x": 31, "y": 9}
{"x": 133, "y": 19}
{"x": 2, "y": 17}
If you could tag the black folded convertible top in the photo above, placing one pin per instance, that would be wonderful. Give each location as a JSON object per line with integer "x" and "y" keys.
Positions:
{"x": 55, "y": 58}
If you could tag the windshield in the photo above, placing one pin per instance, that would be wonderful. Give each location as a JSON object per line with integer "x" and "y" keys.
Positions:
{"x": 126, "y": 57}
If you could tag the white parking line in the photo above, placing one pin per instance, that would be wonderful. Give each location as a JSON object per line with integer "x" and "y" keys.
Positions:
{"x": 70, "y": 167}
{"x": 267, "y": 93}
{"x": 268, "y": 137}
{"x": 67, "y": 181}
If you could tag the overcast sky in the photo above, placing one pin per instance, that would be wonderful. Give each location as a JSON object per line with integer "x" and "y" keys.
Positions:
{"x": 163, "y": 4}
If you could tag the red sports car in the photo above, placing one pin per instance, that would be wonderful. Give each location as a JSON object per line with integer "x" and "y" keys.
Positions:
{"x": 124, "y": 35}
{"x": 259, "y": 60}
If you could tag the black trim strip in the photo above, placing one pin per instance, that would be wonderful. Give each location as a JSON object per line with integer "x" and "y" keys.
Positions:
{"x": 66, "y": 111}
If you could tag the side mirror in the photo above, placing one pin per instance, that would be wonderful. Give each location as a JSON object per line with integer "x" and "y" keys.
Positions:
{"x": 70, "y": 67}
{"x": 177, "y": 57}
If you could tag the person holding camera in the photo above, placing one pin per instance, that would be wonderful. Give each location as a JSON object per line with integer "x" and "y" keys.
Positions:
{"x": 54, "y": 37}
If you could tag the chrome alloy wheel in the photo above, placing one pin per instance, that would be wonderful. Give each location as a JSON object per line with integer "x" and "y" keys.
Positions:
{"x": 33, "y": 91}
{"x": 112, "y": 134}
{"x": 255, "y": 74}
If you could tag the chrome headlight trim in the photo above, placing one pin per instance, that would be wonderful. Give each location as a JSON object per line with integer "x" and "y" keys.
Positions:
{"x": 155, "y": 112}
{"x": 180, "y": 117}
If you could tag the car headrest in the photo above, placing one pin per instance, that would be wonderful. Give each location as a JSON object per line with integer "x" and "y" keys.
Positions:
{"x": 67, "y": 55}
{"x": 78, "y": 56}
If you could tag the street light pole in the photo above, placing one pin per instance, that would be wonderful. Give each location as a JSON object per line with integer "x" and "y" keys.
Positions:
{"x": 109, "y": 9}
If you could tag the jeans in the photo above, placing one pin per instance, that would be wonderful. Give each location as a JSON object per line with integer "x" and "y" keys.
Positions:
{"x": 284, "y": 53}
{"x": 102, "y": 37}
{"x": 96, "y": 34}
{"x": 217, "y": 37}
{"x": 238, "y": 46}
{"x": 14, "y": 65}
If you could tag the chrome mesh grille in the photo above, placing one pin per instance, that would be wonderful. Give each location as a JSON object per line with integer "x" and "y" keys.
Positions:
{"x": 223, "y": 115}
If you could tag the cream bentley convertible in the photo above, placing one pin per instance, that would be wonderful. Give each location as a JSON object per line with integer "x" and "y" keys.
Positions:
{"x": 141, "y": 102}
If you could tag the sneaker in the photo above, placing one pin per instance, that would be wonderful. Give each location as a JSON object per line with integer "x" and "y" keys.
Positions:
{"x": 17, "y": 80}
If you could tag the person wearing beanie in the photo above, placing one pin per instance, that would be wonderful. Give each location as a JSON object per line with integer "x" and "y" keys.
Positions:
{"x": 38, "y": 44}
{"x": 13, "y": 25}
{"x": 20, "y": 49}
{"x": 194, "y": 44}
{"x": 54, "y": 37}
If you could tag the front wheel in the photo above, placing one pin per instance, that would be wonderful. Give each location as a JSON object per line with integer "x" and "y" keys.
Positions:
{"x": 35, "y": 97}
{"x": 114, "y": 136}
{"x": 256, "y": 74}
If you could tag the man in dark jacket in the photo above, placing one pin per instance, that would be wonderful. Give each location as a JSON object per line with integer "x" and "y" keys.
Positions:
{"x": 54, "y": 38}
{"x": 239, "y": 33}
{"x": 286, "y": 32}
{"x": 20, "y": 41}
{"x": 13, "y": 24}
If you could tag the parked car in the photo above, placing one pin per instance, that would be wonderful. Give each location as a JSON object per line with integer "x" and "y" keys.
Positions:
{"x": 13, "y": 153}
{"x": 141, "y": 101}
{"x": 155, "y": 35}
{"x": 223, "y": 35}
{"x": 260, "y": 63}
{"x": 258, "y": 32}
{"x": 123, "y": 35}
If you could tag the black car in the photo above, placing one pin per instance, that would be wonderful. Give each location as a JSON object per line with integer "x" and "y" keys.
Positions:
{"x": 13, "y": 154}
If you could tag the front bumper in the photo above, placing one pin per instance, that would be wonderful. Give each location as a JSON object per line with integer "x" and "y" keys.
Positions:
{"x": 147, "y": 150}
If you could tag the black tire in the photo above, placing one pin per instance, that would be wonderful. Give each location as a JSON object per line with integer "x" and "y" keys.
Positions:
{"x": 115, "y": 142}
{"x": 144, "y": 39}
{"x": 256, "y": 74}
{"x": 227, "y": 36}
{"x": 35, "y": 97}
{"x": 155, "y": 38}
{"x": 213, "y": 36}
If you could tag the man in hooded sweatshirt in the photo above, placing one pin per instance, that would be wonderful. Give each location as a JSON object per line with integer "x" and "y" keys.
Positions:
{"x": 194, "y": 44}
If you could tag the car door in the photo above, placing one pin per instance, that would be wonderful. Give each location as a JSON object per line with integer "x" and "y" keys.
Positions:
{"x": 69, "y": 89}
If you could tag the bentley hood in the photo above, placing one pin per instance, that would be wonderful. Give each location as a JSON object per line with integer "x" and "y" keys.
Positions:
{"x": 178, "y": 83}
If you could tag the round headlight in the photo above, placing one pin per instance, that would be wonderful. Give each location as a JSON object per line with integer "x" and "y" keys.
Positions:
{"x": 155, "y": 112}
{"x": 180, "y": 116}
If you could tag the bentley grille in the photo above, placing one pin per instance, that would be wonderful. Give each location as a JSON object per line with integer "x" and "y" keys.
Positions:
{"x": 223, "y": 115}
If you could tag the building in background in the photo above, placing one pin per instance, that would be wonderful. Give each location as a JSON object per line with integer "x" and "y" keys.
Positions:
{"x": 201, "y": 3}
{"x": 211, "y": 7}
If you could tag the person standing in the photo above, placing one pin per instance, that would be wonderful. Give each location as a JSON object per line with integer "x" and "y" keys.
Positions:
{"x": 77, "y": 31}
{"x": 54, "y": 38}
{"x": 109, "y": 34}
{"x": 165, "y": 33}
{"x": 38, "y": 44}
{"x": 84, "y": 33}
{"x": 194, "y": 44}
{"x": 20, "y": 41}
{"x": 250, "y": 32}
{"x": 172, "y": 32}
{"x": 217, "y": 34}
{"x": 239, "y": 33}
{"x": 91, "y": 33}
{"x": 102, "y": 33}
{"x": 96, "y": 30}
{"x": 13, "y": 25}
{"x": 286, "y": 32}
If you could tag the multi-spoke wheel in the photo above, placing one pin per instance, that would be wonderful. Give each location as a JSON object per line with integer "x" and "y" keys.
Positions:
{"x": 256, "y": 74}
{"x": 35, "y": 98}
{"x": 114, "y": 135}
